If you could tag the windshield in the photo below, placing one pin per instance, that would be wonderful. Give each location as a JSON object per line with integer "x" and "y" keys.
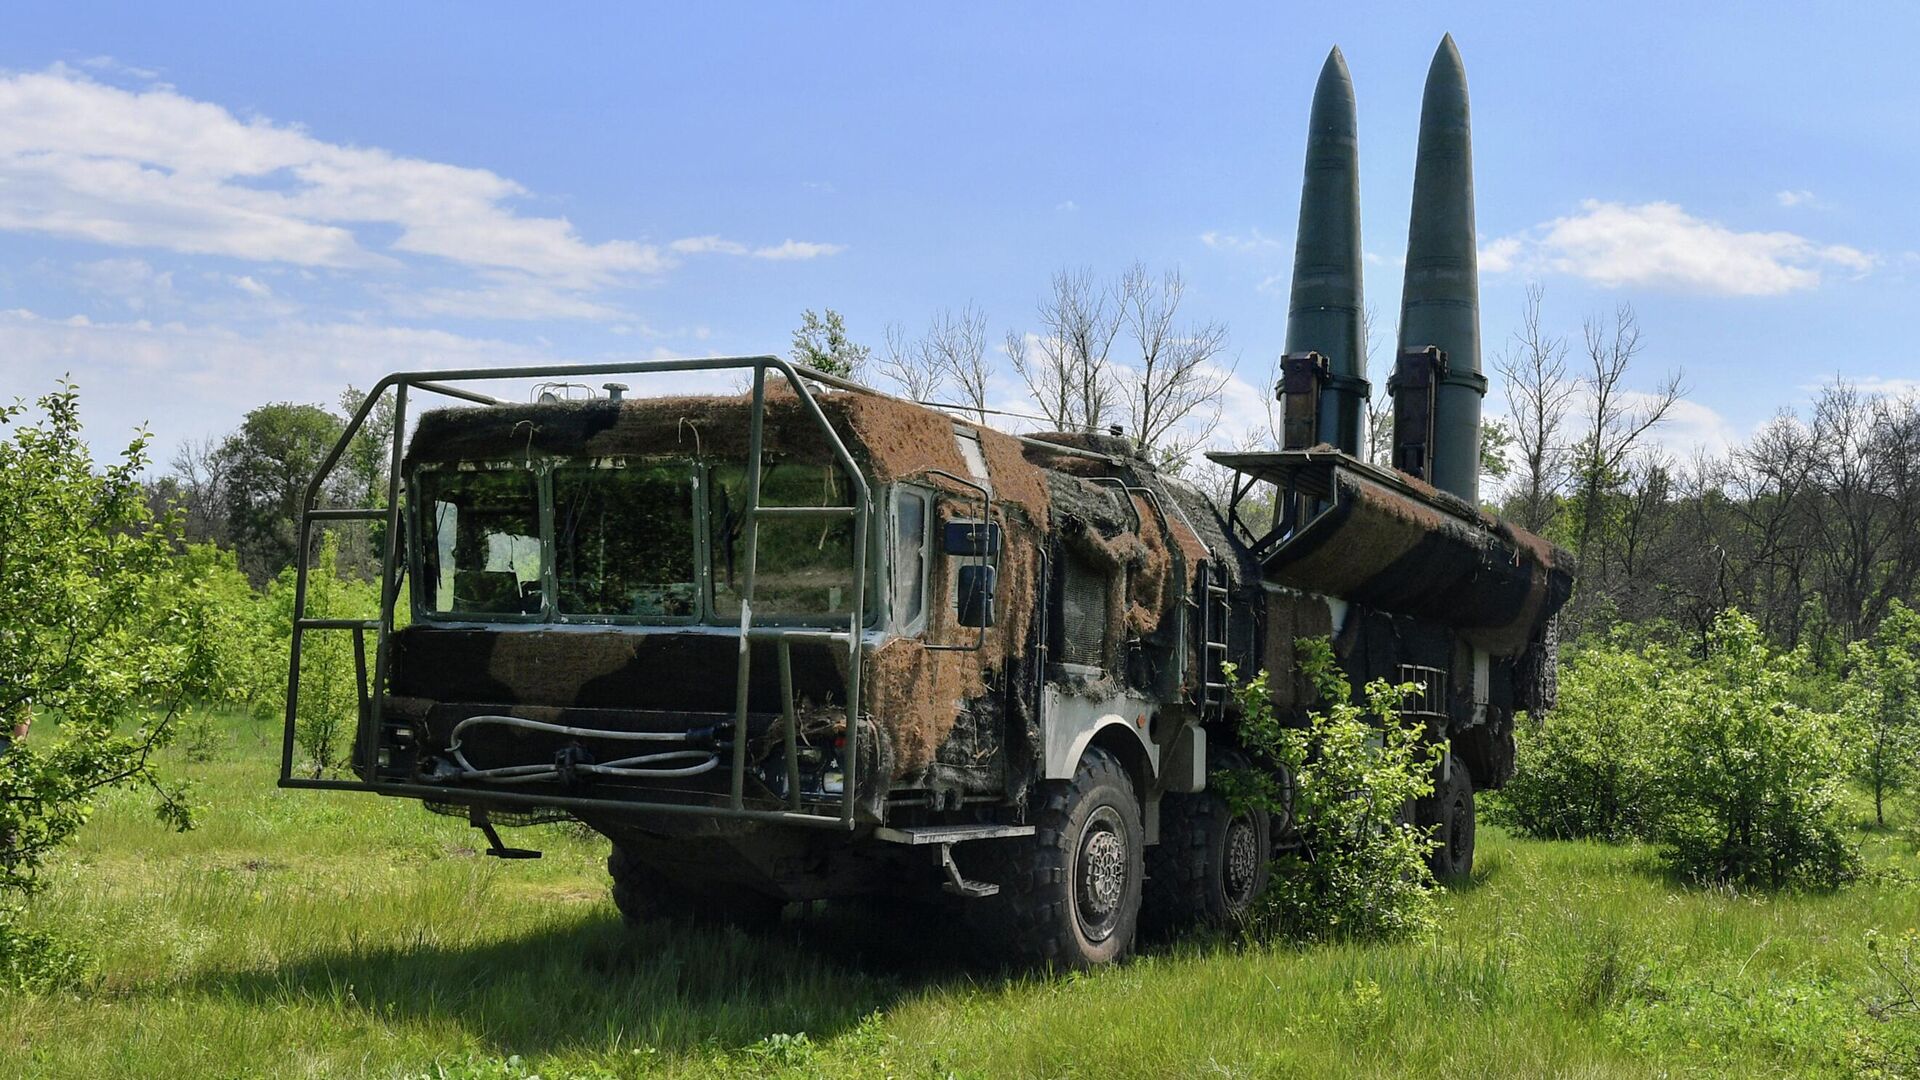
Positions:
{"x": 623, "y": 540}
{"x": 481, "y": 548}
{"x": 805, "y": 565}
{"x": 659, "y": 540}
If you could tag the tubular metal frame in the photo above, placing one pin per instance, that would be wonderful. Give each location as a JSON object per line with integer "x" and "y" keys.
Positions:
{"x": 630, "y": 803}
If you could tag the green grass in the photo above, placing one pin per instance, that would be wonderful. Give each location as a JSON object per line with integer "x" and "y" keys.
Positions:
{"x": 311, "y": 934}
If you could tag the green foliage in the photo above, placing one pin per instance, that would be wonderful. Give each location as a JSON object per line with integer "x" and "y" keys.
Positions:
{"x": 1588, "y": 770}
{"x": 822, "y": 343}
{"x": 243, "y": 656}
{"x": 1882, "y": 703}
{"x": 88, "y": 649}
{"x": 1720, "y": 760}
{"x": 269, "y": 461}
{"x": 1894, "y": 1048}
{"x": 1496, "y": 441}
{"x": 38, "y": 960}
{"x": 329, "y": 706}
{"x": 1360, "y": 870}
{"x": 1751, "y": 779}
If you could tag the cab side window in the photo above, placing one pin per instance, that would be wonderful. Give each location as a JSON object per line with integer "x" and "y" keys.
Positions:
{"x": 910, "y": 514}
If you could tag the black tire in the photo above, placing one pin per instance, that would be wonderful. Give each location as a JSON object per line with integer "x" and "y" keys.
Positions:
{"x": 1451, "y": 815}
{"x": 1070, "y": 893}
{"x": 643, "y": 897}
{"x": 1210, "y": 864}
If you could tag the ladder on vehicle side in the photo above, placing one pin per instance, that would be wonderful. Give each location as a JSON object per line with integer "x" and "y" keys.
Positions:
{"x": 1216, "y": 631}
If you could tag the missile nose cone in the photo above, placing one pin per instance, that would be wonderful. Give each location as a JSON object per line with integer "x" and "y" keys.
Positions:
{"x": 1333, "y": 108}
{"x": 1440, "y": 301}
{"x": 1323, "y": 312}
{"x": 1324, "y": 308}
{"x": 1445, "y": 99}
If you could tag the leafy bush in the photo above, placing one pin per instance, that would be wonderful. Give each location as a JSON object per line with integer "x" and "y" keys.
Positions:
{"x": 245, "y": 658}
{"x": 1360, "y": 870}
{"x": 101, "y": 661}
{"x": 1882, "y": 703}
{"x": 1751, "y": 780}
{"x": 1720, "y": 761}
{"x": 1588, "y": 770}
{"x": 37, "y": 959}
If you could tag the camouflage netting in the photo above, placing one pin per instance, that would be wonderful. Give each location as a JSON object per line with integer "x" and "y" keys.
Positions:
{"x": 1426, "y": 554}
{"x": 890, "y": 440}
{"x": 920, "y": 696}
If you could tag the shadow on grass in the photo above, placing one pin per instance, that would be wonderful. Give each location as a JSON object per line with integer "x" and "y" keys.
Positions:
{"x": 596, "y": 986}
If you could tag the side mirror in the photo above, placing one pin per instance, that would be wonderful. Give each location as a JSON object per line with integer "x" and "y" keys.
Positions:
{"x": 976, "y": 595}
{"x": 971, "y": 537}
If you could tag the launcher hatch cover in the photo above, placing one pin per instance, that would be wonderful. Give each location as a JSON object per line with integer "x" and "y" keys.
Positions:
{"x": 812, "y": 641}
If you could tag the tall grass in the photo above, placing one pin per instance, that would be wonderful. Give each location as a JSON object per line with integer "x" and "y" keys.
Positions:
{"x": 305, "y": 934}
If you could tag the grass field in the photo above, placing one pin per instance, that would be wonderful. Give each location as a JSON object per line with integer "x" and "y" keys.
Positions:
{"x": 306, "y": 934}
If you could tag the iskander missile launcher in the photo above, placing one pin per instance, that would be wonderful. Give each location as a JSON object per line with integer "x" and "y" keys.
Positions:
{"x": 810, "y": 640}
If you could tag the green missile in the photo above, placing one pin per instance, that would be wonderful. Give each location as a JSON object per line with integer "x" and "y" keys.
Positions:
{"x": 1440, "y": 302}
{"x": 1324, "y": 311}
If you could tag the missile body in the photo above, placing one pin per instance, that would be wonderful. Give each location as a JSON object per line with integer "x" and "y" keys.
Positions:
{"x": 1440, "y": 302}
{"x": 1324, "y": 310}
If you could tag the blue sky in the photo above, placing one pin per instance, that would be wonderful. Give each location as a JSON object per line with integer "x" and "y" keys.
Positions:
{"x": 207, "y": 207}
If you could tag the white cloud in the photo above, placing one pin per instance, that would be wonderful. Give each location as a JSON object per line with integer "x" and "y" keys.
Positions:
{"x": 1660, "y": 245}
{"x": 246, "y": 283}
{"x": 133, "y": 282}
{"x": 1800, "y": 197}
{"x": 707, "y": 245}
{"x": 1069, "y": 206}
{"x": 190, "y": 379}
{"x": 1253, "y": 241}
{"x": 715, "y": 245}
{"x": 154, "y": 168}
{"x": 506, "y": 296}
{"x": 108, "y": 65}
{"x": 797, "y": 249}
{"x": 1498, "y": 256}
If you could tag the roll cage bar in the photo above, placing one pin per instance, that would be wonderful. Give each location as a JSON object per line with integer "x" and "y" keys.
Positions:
{"x": 370, "y": 724}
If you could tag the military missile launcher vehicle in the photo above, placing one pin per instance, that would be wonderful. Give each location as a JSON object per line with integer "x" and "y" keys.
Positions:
{"x": 810, "y": 640}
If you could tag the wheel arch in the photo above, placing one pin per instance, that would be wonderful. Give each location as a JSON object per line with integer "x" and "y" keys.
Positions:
{"x": 1117, "y": 736}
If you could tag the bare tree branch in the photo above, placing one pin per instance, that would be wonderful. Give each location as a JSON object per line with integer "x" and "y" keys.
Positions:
{"x": 1539, "y": 393}
{"x": 1069, "y": 377}
{"x": 910, "y": 365}
{"x": 1173, "y": 377}
{"x": 956, "y": 347}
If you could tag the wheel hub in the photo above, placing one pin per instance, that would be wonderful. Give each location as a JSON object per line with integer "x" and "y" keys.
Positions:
{"x": 1101, "y": 874}
{"x": 1241, "y": 865}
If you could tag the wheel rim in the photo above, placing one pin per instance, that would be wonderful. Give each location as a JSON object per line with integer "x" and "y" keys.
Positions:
{"x": 1100, "y": 871}
{"x": 1457, "y": 833}
{"x": 1240, "y": 862}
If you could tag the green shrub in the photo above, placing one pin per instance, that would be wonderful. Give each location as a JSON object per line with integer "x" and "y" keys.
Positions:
{"x": 329, "y": 677}
{"x": 92, "y": 660}
{"x": 1360, "y": 870}
{"x": 1588, "y": 769}
{"x": 1882, "y": 703}
{"x": 1720, "y": 761}
{"x": 1749, "y": 780}
{"x": 37, "y": 960}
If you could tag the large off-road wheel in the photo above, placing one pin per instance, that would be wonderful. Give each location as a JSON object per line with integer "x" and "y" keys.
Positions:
{"x": 1211, "y": 864}
{"x": 1070, "y": 894}
{"x": 1450, "y": 812}
{"x": 643, "y": 896}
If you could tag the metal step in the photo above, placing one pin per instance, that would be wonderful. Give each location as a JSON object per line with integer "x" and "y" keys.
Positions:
{"x": 916, "y": 835}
